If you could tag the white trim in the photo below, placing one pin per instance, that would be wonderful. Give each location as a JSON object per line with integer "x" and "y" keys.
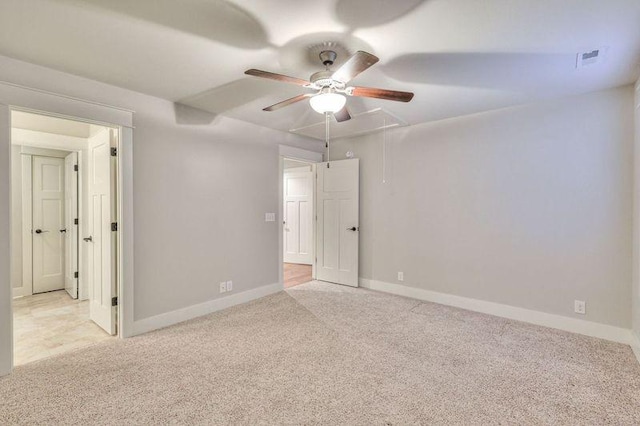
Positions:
{"x": 635, "y": 344}
{"x": 21, "y": 292}
{"x": 6, "y": 317}
{"x": 194, "y": 311}
{"x": 27, "y": 242}
{"x": 59, "y": 95}
{"x": 294, "y": 153}
{"x": 587, "y": 328}
{"x": 125, "y": 236}
{"x": 24, "y": 99}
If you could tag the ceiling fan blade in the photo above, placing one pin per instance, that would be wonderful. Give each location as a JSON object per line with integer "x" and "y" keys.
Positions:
{"x": 357, "y": 63}
{"x": 288, "y": 102}
{"x": 342, "y": 115}
{"x": 370, "y": 92}
{"x": 277, "y": 77}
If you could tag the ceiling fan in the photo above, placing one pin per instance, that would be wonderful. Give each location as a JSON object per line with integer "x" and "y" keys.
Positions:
{"x": 332, "y": 86}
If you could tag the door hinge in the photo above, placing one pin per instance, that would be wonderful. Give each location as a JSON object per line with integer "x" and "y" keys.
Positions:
{"x": 114, "y": 152}
{"x": 114, "y": 226}
{"x": 75, "y": 167}
{"x": 114, "y": 301}
{"x": 75, "y": 274}
{"x": 75, "y": 221}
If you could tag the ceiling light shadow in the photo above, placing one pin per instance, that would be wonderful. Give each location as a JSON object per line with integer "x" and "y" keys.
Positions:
{"x": 216, "y": 20}
{"x": 368, "y": 13}
{"x": 238, "y": 93}
{"x": 508, "y": 71}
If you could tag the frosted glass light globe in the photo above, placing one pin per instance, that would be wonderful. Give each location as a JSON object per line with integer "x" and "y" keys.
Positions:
{"x": 327, "y": 102}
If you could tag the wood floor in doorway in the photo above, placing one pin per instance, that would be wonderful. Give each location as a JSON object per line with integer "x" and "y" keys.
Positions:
{"x": 295, "y": 274}
{"x": 51, "y": 323}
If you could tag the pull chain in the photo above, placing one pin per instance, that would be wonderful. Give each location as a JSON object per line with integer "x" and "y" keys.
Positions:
{"x": 326, "y": 132}
{"x": 384, "y": 150}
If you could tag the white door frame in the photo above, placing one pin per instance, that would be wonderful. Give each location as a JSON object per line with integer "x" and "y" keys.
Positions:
{"x": 27, "y": 242}
{"x": 307, "y": 156}
{"x": 18, "y": 98}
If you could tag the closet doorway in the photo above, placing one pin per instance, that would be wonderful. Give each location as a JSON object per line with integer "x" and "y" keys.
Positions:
{"x": 298, "y": 222}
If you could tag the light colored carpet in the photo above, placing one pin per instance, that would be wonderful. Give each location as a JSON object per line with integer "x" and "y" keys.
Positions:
{"x": 326, "y": 354}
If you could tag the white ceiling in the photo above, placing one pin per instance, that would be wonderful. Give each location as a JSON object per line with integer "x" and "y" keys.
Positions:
{"x": 458, "y": 56}
{"x": 43, "y": 123}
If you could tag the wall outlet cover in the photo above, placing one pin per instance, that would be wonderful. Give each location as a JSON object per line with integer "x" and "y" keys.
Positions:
{"x": 229, "y": 285}
{"x": 580, "y": 307}
{"x": 400, "y": 276}
{"x": 223, "y": 287}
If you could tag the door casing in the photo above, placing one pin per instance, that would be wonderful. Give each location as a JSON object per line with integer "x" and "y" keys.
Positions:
{"x": 299, "y": 154}
{"x": 45, "y": 103}
{"x": 48, "y": 207}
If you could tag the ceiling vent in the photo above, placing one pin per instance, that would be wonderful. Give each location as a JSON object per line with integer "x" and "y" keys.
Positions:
{"x": 590, "y": 57}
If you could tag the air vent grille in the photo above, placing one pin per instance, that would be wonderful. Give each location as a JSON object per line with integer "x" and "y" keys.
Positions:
{"x": 590, "y": 57}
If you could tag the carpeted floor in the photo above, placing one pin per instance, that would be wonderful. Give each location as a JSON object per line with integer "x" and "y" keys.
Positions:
{"x": 326, "y": 354}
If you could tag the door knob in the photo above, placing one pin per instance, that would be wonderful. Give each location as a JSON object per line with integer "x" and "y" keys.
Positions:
{"x": 353, "y": 228}
{"x": 89, "y": 239}
{"x": 40, "y": 231}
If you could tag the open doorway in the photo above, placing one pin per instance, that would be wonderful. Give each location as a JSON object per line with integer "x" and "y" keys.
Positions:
{"x": 63, "y": 223}
{"x": 298, "y": 222}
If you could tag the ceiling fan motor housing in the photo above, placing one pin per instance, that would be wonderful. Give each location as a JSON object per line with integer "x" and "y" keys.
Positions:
{"x": 323, "y": 79}
{"x": 328, "y": 57}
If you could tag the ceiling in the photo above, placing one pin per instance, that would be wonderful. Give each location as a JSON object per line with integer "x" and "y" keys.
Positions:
{"x": 458, "y": 56}
{"x": 47, "y": 124}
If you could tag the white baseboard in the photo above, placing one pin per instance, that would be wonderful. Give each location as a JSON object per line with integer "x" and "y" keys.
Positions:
{"x": 21, "y": 292}
{"x": 574, "y": 325}
{"x": 174, "y": 317}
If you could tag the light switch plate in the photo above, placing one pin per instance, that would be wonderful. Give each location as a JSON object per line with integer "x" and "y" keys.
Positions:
{"x": 269, "y": 217}
{"x": 229, "y": 285}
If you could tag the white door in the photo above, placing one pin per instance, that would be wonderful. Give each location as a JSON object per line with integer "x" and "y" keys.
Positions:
{"x": 337, "y": 210}
{"x": 101, "y": 274}
{"x": 298, "y": 216}
{"x": 70, "y": 224}
{"x": 48, "y": 221}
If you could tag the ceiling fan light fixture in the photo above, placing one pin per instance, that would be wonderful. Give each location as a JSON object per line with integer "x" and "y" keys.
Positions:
{"x": 327, "y": 102}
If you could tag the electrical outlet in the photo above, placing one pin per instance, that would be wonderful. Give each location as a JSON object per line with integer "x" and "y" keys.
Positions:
{"x": 580, "y": 307}
{"x": 223, "y": 287}
{"x": 400, "y": 276}
{"x": 229, "y": 285}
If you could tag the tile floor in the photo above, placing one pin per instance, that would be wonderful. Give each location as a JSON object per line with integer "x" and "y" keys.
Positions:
{"x": 51, "y": 323}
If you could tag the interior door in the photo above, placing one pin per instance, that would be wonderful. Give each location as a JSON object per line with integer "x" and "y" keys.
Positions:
{"x": 48, "y": 222}
{"x": 70, "y": 224}
{"x": 298, "y": 216}
{"x": 100, "y": 272}
{"x": 337, "y": 211}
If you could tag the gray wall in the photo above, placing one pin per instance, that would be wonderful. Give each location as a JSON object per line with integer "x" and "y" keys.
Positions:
{"x": 529, "y": 206}
{"x": 201, "y": 187}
